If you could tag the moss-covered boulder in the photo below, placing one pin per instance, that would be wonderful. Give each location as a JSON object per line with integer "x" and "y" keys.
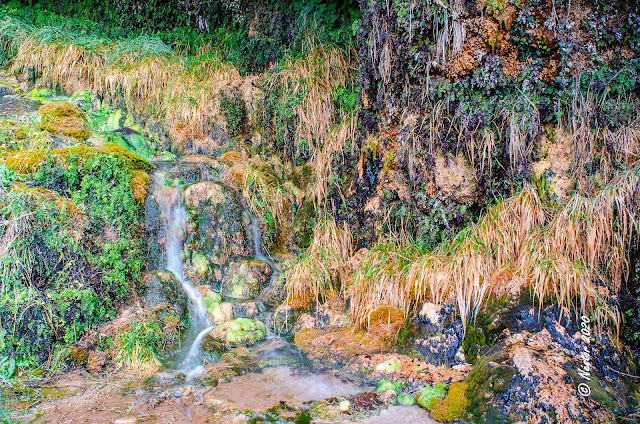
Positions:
{"x": 453, "y": 406}
{"x": 161, "y": 290}
{"x": 535, "y": 376}
{"x": 238, "y": 332}
{"x": 216, "y": 232}
{"x": 429, "y": 394}
{"x": 64, "y": 118}
{"x": 245, "y": 280}
{"x": 217, "y": 310}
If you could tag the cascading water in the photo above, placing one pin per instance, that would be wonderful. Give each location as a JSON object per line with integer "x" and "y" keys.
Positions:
{"x": 170, "y": 200}
{"x": 275, "y": 270}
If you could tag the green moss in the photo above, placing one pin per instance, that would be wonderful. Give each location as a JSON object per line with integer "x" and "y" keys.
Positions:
{"x": 453, "y": 406}
{"x": 64, "y": 118}
{"x": 429, "y": 394}
{"x": 384, "y": 385}
{"x": 490, "y": 376}
{"x": 82, "y": 248}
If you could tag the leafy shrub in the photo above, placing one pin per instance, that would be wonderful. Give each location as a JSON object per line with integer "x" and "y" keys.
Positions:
{"x": 72, "y": 250}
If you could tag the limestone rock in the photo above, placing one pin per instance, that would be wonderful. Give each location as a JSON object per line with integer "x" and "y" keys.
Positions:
{"x": 245, "y": 279}
{"x": 238, "y": 332}
{"x": 204, "y": 192}
{"x": 216, "y": 232}
{"x": 439, "y": 335}
{"x": 162, "y": 291}
{"x": 245, "y": 309}
{"x": 456, "y": 177}
{"x": 532, "y": 373}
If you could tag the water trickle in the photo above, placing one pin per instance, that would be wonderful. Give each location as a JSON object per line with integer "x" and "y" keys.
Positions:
{"x": 259, "y": 254}
{"x": 170, "y": 200}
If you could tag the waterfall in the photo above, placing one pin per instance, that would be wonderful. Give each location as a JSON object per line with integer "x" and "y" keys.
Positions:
{"x": 170, "y": 201}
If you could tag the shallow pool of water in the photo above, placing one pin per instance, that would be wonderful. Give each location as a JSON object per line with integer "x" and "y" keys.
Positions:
{"x": 13, "y": 106}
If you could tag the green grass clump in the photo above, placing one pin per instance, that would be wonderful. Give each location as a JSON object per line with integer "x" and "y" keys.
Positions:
{"x": 139, "y": 344}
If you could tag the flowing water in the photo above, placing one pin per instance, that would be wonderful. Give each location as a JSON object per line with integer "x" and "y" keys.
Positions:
{"x": 174, "y": 214}
{"x": 277, "y": 372}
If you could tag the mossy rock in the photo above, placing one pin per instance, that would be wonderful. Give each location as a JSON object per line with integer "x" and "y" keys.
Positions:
{"x": 429, "y": 394}
{"x": 384, "y": 385}
{"x": 64, "y": 118}
{"x": 220, "y": 312}
{"x": 238, "y": 332}
{"x": 201, "y": 264}
{"x": 245, "y": 279}
{"x": 491, "y": 376}
{"x": 212, "y": 299}
{"x": 163, "y": 292}
{"x": 453, "y": 406}
{"x": 216, "y": 230}
{"x": 140, "y": 185}
{"x": 389, "y": 367}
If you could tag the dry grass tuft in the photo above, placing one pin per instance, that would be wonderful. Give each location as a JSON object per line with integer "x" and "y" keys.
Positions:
{"x": 560, "y": 254}
{"x": 324, "y": 127}
{"x": 323, "y": 266}
{"x": 149, "y": 76}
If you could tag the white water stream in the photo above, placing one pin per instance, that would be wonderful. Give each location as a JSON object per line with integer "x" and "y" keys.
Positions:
{"x": 174, "y": 214}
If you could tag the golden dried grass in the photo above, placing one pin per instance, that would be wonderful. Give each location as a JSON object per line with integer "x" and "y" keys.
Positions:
{"x": 144, "y": 72}
{"x": 325, "y": 262}
{"x": 559, "y": 254}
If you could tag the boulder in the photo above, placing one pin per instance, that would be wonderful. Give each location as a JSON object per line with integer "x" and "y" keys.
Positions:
{"x": 438, "y": 335}
{"x": 537, "y": 375}
{"x": 216, "y": 232}
{"x": 246, "y": 309}
{"x": 238, "y": 332}
{"x": 163, "y": 292}
{"x": 244, "y": 280}
{"x": 222, "y": 312}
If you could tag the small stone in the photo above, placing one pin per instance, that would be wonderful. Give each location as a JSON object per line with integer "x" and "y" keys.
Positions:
{"x": 344, "y": 406}
{"x": 221, "y": 313}
{"x": 389, "y": 367}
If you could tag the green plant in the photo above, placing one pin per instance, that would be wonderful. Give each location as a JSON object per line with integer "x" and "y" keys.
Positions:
{"x": 234, "y": 111}
{"x": 139, "y": 344}
{"x": 73, "y": 249}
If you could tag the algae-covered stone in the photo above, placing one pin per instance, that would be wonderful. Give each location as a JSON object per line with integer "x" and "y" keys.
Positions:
{"x": 64, "y": 118}
{"x": 406, "y": 399}
{"x": 384, "y": 385}
{"x": 204, "y": 192}
{"x": 238, "y": 332}
{"x": 163, "y": 292}
{"x": 222, "y": 312}
{"x": 215, "y": 230}
{"x": 453, "y": 406}
{"x": 211, "y": 299}
{"x": 429, "y": 394}
{"x": 201, "y": 263}
{"x": 244, "y": 280}
{"x": 245, "y": 309}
